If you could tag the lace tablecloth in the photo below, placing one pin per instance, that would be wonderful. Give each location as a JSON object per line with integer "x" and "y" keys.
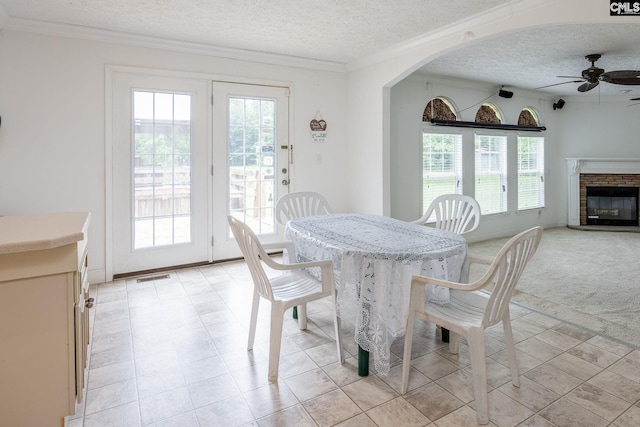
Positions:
{"x": 374, "y": 257}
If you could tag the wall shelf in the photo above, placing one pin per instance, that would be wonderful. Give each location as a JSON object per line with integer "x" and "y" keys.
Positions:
{"x": 498, "y": 126}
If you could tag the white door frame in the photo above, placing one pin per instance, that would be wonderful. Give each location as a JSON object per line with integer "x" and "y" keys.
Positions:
{"x": 225, "y": 246}
{"x": 191, "y": 227}
{"x": 110, "y": 69}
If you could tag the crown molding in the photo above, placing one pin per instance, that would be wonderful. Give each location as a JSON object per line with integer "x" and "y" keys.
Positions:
{"x": 460, "y": 29}
{"x": 107, "y": 36}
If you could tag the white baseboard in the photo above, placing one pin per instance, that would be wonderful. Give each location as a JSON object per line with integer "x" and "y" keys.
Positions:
{"x": 97, "y": 276}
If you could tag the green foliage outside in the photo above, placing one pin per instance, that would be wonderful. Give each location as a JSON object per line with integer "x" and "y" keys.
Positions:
{"x": 439, "y": 176}
{"x": 251, "y": 132}
{"x": 528, "y": 195}
{"x": 172, "y": 145}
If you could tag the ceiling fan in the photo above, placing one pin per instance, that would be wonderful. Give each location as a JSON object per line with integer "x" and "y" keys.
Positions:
{"x": 593, "y": 75}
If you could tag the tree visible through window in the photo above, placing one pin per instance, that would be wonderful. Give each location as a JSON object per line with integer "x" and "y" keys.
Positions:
{"x": 441, "y": 166}
{"x": 162, "y": 169}
{"x": 530, "y": 172}
{"x": 491, "y": 173}
{"x": 252, "y": 137}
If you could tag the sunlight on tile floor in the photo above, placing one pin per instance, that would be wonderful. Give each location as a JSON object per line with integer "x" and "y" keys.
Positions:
{"x": 172, "y": 352}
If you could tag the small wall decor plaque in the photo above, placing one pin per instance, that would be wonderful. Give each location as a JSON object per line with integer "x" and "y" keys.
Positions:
{"x": 318, "y": 128}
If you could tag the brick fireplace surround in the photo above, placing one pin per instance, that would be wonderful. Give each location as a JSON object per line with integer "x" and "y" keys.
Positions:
{"x": 583, "y": 172}
{"x": 602, "y": 180}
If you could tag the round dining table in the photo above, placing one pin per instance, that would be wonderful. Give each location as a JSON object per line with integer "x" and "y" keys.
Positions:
{"x": 374, "y": 257}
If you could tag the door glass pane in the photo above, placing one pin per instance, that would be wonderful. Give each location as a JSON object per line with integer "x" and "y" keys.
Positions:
{"x": 162, "y": 169}
{"x": 252, "y": 166}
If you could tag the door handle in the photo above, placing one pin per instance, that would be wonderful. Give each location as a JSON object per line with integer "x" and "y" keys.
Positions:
{"x": 285, "y": 182}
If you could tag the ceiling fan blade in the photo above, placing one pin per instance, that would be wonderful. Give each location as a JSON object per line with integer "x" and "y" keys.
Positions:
{"x": 556, "y": 84}
{"x": 585, "y": 87}
{"x": 571, "y": 77}
{"x": 634, "y": 99}
{"x": 622, "y": 77}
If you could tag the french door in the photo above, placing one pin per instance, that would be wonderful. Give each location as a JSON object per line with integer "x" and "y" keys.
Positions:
{"x": 160, "y": 172}
{"x": 180, "y": 166}
{"x": 251, "y": 167}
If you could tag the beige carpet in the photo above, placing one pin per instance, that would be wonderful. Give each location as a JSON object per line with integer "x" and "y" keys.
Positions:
{"x": 588, "y": 278}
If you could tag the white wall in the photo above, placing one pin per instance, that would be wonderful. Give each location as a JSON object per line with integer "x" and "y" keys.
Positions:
{"x": 408, "y": 100}
{"x": 52, "y": 100}
{"x": 370, "y": 134}
{"x": 596, "y": 128}
{"x": 603, "y": 128}
{"x": 52, "y": 138}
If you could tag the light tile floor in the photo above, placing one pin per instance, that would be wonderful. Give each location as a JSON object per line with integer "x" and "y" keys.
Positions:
{"x": 172, "y": 352}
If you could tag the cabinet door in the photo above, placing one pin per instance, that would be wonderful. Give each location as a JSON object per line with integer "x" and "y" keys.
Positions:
{"x": 81, "y": 315}
{"x": 80, "y": 346}
{"x": 37, "y": 370}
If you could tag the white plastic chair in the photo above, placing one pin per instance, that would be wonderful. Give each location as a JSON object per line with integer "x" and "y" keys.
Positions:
{"x": 470, "y": 312}
{"x": 454, "y": 212}
{"x": 300, "y": 204}
{"x": 294, "y": 287}
{"x": 297, "y": 205}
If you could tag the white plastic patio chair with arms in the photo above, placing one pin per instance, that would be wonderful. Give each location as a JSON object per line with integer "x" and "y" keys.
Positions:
{"x": 470, "y": 312}
{"x": 297, "y": 205}
{"x": 300, "y": 204}
{"x": 454, "y": 212}
{"x": 293, "y": 287}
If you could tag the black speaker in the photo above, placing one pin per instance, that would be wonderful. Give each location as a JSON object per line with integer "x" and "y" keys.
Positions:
{"x": 558, "y": 105}
{"x": 505, "y": 93}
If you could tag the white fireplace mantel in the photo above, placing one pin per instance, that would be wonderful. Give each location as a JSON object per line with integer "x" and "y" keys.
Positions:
{"x": 576, "y": 166}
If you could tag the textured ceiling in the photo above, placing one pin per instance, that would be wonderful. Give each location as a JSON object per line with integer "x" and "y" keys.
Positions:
{"x": 330, "y": 30}
{"x": 344, "y": 31}
{"x": 533, "y": 58}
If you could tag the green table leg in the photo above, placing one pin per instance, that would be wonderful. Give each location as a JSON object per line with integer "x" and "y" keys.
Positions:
{"x": 295, "y": 312}
{"x": 363, "y": 362}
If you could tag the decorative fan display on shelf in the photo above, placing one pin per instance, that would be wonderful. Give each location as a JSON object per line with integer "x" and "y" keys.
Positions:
{"x": 592, "y": 76}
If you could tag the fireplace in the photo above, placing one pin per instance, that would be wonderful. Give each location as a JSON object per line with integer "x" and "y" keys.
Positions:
{"x": 612, "y": 206}
{"x": 603, "y": 173}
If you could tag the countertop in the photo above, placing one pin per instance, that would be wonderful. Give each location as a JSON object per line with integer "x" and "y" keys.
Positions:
{"x": 22, "y": 233}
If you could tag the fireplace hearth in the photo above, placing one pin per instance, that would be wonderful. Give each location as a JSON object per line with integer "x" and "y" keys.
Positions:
{"x": 612, "y": 206}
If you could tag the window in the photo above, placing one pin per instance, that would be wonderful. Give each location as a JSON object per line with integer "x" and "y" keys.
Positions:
{"x": 530, "y": 172}
{"x": 528, "y": 117}
{"x": 252, "y": 137}
{"x": 491, "y": 173}
{"x": 439, "y": 108}
{"x": 488, "y": 113}
{"x": 441, "y": 166}
{"x": 162, "y": 169}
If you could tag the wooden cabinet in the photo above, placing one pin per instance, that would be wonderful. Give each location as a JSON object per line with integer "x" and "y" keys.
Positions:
{"x": 44, "y": 325}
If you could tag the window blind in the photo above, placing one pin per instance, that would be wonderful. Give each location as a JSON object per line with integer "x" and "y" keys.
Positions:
{"x": 530, "y": 172}
{"x": 441, "y": 165}
{"x": 491, "y": 173}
